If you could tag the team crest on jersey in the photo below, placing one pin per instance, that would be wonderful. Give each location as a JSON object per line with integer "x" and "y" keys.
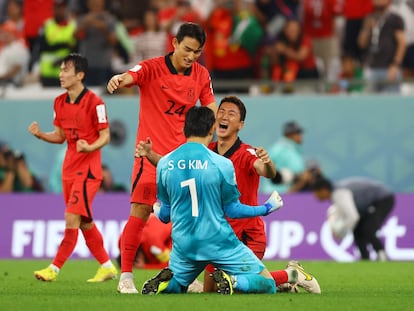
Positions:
{"x": 136, "y": 68}
{"x": 191, "y": 95}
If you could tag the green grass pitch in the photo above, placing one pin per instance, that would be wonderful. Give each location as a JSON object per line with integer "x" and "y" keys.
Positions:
{"x": 345, "y": 286}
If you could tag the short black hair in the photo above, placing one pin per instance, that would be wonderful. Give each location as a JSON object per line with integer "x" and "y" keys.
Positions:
{"x": 198, "y": 121}
{"x": 79, "y": 62}
{"x": 237, "y": 101}
{"x": 191, "y": 30}
{"x": 320, "y": 183}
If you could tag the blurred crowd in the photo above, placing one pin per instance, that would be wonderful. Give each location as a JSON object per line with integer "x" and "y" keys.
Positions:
{"x": 340, "y": 42}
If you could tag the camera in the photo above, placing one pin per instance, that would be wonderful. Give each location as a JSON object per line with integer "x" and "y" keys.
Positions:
{"x": 16, "y": 154}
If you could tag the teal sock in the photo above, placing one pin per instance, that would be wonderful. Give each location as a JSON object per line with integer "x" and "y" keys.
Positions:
{"x": 174, "y": 287}
{"x": 254, "y": 283}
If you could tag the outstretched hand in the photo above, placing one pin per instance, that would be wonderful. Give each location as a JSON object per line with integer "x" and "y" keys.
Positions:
{"x": 273, "y": 203}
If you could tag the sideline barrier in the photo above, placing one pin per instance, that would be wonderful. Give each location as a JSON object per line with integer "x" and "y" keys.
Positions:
{"x": 32, "y": 227}
{"x": 348, "y": 135}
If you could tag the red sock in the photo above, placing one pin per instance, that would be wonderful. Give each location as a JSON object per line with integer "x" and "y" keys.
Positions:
{"x": 66, "y": 247}
{"x": 94, "y": 241}
{"x": 130, "y": 240}
{"x": 280, "y": 276}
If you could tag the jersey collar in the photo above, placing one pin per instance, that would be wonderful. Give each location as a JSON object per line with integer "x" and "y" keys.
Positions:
{"x": 172, "y": 69}
{"x": 232, "y": 149}
{"x": 79, "y": 98}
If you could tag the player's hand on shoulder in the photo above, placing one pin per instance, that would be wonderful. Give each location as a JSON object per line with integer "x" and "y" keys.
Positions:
{"x": 273, "y": 203}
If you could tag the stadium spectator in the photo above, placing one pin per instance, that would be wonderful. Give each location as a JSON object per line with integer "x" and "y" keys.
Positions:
{"x": 15, "y": 174}
{"x": 14, "y": 56}
{"x": 287, "y": 154}
{"x": 273, "y": 14}
{"x": 384, "y": 38}
{"x": 152, "y": 42}
{"x": 131, "y": 11}
{"x": 318, "y": 18}
{"x": 354, "y": 12}
{"x": 56, "y": 41}
{"x": 350, "y": 77}
{"x": 35, "y": 13}
{"x": 233, "y": 38}
{"x": 291, "y": 56}
{"x": 405, "y": 8}
{"x": 80, "y": 119}
{"x": 359, "y": 205}
{"x": 209, "y": 237}
{"x": 169, "y": 85}
{"x": 3, "y": 10}
{"x": 97, "y": 29}
{"x": 15, "y": 16}
{"x": 173, "y": 15}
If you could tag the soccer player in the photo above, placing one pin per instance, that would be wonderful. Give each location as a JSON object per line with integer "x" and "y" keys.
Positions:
{"x": 249, "y": 164}
{"x": 168, "y": 87}
{"x": 80, "y": 118}
{"x": 154, "y": 250}
{"x": 197, "y": 188}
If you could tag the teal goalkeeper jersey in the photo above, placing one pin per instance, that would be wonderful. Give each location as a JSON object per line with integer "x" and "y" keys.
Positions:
{"x": 196, "y": 183}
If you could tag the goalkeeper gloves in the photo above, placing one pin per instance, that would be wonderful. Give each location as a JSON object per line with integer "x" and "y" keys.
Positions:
{"x": 273, "y": 203}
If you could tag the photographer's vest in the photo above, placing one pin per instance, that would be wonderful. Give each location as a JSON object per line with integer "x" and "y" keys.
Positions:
{"x": 61, "y": 36}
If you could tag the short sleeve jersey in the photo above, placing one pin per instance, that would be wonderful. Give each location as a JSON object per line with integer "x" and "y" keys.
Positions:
{"x": 197, "y": 183}
{"x": 82, "y": 119}
{"x": 243, "y": 157}
{"x": 165, "y": 97}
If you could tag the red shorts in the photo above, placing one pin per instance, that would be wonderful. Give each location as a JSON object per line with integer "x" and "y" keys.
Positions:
{"x": 79, "y": 194}
{"x": 143, "y": 182}
{"x": 252, "y": 233}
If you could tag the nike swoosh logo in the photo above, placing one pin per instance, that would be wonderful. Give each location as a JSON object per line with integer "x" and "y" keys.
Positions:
{"x": 308, "y": 277}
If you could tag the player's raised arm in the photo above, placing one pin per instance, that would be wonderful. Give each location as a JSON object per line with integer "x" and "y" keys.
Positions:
{"x": 55, "y": 137}
{"x": 119, "y": 81}
{"x": 264, "y": 165}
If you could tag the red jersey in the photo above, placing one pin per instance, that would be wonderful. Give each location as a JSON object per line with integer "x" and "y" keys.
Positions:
{"x": 153, "y": 244}
{"x": 318, "y": 17}
{"x": 243, "y": 157}
{"x": 35, "y": 13}
{"x": 357, "y": 9}
{"x": 82, "y": 119}
{"x": 165, "y": 97}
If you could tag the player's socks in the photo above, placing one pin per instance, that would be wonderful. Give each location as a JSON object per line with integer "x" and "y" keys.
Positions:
{"x": 254, "y": 283}
{"x": 66, "y": 247}
{"x": 54, "y": 268}
{"x": 280, "y": 276}
{"x": 94, "y": 241}
{"x": 130, "y": 240}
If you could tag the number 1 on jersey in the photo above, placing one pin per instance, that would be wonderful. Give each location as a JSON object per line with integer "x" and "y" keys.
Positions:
{"x": 190, "y": 183}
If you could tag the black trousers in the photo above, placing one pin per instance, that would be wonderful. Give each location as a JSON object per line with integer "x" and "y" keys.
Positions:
{"x": 369, "y": 223}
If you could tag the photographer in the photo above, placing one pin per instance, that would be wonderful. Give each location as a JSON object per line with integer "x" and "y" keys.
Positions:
{"x": 15, "y": 175}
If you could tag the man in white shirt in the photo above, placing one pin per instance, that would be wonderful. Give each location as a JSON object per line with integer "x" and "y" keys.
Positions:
{"x": 14, "y": 56}
{"x": 360, "y": 205}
